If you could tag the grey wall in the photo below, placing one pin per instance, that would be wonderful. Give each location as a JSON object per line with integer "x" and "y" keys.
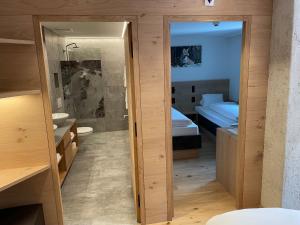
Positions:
{"x": 291, "y": 187}
{"x": 281, "y": 167}
{"x": 111, "y": 54}
{"x": 54, "y": 46}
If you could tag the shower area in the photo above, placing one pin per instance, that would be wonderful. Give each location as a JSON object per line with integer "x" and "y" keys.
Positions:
{"x": 87, "y": 80}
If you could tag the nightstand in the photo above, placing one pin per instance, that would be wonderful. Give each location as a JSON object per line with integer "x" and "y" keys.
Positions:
{"x": 193, "y": 115}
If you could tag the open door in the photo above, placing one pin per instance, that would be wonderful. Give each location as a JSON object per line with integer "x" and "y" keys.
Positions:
{"x": 132, "y": 116}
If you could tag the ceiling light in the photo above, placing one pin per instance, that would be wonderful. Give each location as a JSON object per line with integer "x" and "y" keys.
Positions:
{"x": 64, "y": 29}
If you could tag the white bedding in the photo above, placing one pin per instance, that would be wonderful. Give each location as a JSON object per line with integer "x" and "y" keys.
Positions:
{"x": 189, "y": 130}
{"x": 179, "y": 120}
{"x": 215, "y": 117}
{"x": 182, "y": 126}
{"x": 229, "y": 110}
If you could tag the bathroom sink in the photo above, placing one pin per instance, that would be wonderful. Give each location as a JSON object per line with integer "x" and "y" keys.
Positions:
{"x": 60, "y": 118}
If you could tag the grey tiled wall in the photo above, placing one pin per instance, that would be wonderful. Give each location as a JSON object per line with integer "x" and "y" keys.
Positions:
{"x": 54, "y": 46}
{"x": 111, "y": 54}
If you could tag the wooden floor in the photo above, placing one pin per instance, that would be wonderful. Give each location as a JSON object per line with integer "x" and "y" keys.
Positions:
{"x": 197, "y": 195}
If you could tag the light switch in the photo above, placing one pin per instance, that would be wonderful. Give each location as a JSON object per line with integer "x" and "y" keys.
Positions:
{"x": 210, "y": 3}
{"x": 59, "y": 102}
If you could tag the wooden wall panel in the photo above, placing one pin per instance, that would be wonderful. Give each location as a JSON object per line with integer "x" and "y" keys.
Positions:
{"x": 150, "y": 53}
{"x": 153, "y": 116}
{"x": 183, "y": 93}
{"x": 19, "y": 68}
{"x": 131, "y": 7}
{"x": 23, "y": 132}
{"x": 226, "y": 160}
{"x": 256, "y": 109}
{"x": 16, "y": 27}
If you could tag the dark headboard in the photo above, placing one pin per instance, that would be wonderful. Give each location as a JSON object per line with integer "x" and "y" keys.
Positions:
{"x": 187, "y": 94}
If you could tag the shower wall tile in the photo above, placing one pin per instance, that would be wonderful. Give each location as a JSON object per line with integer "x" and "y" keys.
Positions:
{"x": 118, "y": 123}
{"x": 54, "y": 46}
{"x": 83, "y": 88}
{"x": 111, "y": 54}
{"x": 114, "y": 79}
{"x": 114, "y": 92}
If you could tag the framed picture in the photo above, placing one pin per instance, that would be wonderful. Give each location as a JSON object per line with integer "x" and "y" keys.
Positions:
{"x": 183, "y": 56}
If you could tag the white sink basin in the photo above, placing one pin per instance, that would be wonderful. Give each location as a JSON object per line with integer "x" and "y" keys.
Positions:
{"x": 60, "y": 118}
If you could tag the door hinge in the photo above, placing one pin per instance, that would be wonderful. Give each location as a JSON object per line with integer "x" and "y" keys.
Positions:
{"x": 131, "y": 47}
{"x": 135, "y": 129}
{"x": 139, "y": 201}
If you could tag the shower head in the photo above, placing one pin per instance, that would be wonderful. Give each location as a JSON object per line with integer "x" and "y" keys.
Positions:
{"x": 74, "y": 45}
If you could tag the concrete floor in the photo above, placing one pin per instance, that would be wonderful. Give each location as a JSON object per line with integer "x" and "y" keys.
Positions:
{"x": 98, "y": 189}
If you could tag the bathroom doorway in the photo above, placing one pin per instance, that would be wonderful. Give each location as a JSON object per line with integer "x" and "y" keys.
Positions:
{"x": 90, "y": 74}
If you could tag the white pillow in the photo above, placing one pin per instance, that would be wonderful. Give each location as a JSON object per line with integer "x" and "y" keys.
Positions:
{"x": 208, "y": 99}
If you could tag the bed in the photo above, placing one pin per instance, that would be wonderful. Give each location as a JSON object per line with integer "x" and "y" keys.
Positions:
{"x": 186, "y": 136}
{"x": 215, "y": 113}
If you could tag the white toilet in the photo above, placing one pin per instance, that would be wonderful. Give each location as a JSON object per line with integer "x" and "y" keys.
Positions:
{"x": 84, "y": 131}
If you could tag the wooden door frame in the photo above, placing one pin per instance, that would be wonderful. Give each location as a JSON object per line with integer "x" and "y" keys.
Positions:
{"x": 133, "y": 20}
{"x": 244, "y": 76}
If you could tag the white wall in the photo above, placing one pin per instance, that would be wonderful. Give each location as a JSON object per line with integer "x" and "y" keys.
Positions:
{"x": 233, "y": 58}
{"x": 220, "y": 60}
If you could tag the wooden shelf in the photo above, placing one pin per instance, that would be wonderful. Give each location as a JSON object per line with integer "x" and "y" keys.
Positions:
{"x": 16, "y": 41}
{"x": 11, "y": 177}
{"x": 19, "y": 93}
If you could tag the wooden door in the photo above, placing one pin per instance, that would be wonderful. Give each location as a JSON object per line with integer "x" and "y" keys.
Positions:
{"x": 132, "y": 116}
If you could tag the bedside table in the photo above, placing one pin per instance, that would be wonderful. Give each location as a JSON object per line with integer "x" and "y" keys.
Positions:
{"x": 193, "y": 115}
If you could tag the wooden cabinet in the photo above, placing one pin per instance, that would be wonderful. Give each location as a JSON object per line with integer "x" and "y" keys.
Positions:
{"x": 27, "y": 168}
{"x": 66, "y": 146}
{"x": 23, "y": 215}
{"x": 227, "y": 159}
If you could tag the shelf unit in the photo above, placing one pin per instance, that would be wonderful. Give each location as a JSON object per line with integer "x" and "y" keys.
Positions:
{"x": 16, "y": 41}
{"x": 19, "y": 66}
{"x": 64, "y": 147}
{"x": 11, "y": 177}
{"x": 19, "y": 93}
{"x": 27, "y": 165}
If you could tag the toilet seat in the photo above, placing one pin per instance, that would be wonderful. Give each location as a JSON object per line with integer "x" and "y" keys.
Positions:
{"x": 84, "y": 131}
